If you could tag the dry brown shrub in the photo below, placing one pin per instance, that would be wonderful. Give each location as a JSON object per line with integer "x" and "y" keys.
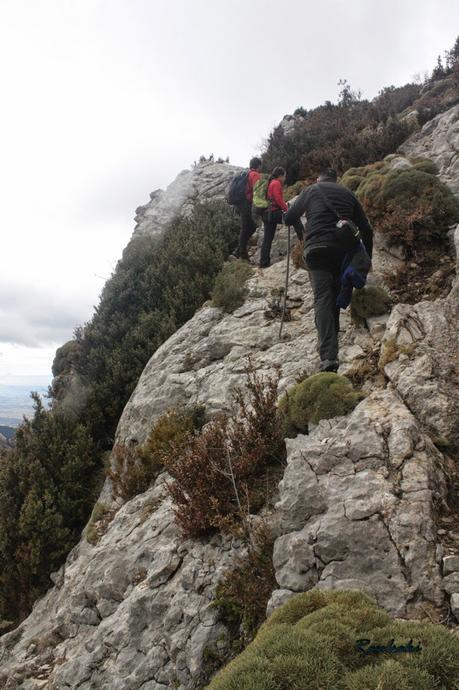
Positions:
{"x": 244, "y": 592}
{"x": 297, "y": 255}
{"x": 127, "y": 472}
{"x": 223, "y": 474}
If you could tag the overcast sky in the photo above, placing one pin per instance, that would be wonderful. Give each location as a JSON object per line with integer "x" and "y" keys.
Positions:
{"x": 104, "y": 101}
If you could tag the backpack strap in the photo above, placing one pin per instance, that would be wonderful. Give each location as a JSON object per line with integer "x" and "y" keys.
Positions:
{"x": 326, "y": 201}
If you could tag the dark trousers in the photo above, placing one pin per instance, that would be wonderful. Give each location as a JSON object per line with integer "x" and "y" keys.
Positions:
{"x": 324, "y": 268}
{"x": 248, "y": 227}
{"x": 271, "y": 220}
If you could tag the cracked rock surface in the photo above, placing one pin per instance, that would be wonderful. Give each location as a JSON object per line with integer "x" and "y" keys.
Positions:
{"x": 203, "y": 182}
{"x": 357, "y": 508}
{"x": 132, "y": 612}
{"x": 439, "y": 141}
{"x": 425, "y": 365}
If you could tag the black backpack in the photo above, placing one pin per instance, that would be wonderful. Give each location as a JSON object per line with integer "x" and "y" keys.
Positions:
{"x": 235, "y": 194}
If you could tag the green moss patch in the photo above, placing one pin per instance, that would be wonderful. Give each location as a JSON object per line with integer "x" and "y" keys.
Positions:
{"x": 229, "y": 291}
{"x": 410, "y": 206}
{"x": 321, "y": 396}
{"x": 311, "y": 642}
{"x": 369, "y": 301}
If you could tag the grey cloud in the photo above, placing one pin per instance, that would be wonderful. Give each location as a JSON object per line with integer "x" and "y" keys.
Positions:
{"x": 38, "y": 317}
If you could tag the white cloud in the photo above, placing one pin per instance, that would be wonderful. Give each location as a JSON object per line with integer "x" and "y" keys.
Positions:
{"x": 102, "y": 102}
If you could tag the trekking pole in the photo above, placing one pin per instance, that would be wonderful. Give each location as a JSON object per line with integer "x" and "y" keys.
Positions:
{"x": 284, "y": 305}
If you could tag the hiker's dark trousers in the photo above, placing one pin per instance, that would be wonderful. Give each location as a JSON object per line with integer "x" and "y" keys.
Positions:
{"x": 326, "y": 287}
{"x": 248, "y": 227}
{"x": 271, "y": 220}
{"x": 325, "y": 278}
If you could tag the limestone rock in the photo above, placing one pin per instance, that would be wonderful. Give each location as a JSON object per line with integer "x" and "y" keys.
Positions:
{"x": 451, "y": 583}
{"x": 207, "y": 180}
{"x": 454, "y": 602}
{"x": 133, "y": 611}
{"x": 399, "y": 163}
{"x": 450, "y": 565}
{"x": 439, "y": 141}
{"x": 426, "y": 377}
{"x": 372, "y": 524}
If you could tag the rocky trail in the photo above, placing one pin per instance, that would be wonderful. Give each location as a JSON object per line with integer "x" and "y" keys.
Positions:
{"x": 367, "y": 501}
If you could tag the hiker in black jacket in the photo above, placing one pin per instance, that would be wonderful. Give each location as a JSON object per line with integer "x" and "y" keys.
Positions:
{"x": 324, "y": 253}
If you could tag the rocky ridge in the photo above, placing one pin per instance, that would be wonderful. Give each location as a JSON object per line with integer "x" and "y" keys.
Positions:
{"x": 206, "y": 180}
{"x": 439, "y": 141}
{"x": 358, "y": 505}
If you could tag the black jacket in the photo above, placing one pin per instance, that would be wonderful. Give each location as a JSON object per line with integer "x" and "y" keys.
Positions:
{"x": 321, "y": 222}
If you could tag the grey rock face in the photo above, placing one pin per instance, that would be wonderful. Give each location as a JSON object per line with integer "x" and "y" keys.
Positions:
{"x": 455, "y": 606}
{"x": 450, "y": 565}
{"x": 439, "y": 141}
{"x": 422, "y": 341}
{"x": 133, "y": 611}
{"x": 372, "y": 481}
{"x": 205, "y": 181}
{"x": 288, "y": 123}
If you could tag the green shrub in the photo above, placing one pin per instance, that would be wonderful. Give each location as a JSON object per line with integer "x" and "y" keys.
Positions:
{"x": 410, "y": 206}
{"x": 321, "y": 396}
{"x": 47, "y": 487}
{"x": 311, "y": 642}
{"x": 440, "y": 649}
{"x": 351, "y": 133}
{"x": 171, "y": 430}
{"x": 353, "y": 182}
{"x": 66, "y": 357}
{"x": 229, "y": 291}
{"x": 425, "y": 165}
{"x": 369, "y": 301}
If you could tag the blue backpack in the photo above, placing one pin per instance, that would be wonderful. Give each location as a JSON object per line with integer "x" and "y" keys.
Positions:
{"x": 235, "y": 194}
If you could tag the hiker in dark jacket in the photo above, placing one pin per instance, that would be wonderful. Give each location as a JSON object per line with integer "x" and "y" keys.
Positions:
{"x": 248, "y": 225}
{"x": 324, "y": 253}
{"x": 273, "y": 215}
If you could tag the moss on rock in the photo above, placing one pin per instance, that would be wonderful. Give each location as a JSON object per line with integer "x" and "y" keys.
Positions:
{"x": 321, "y": 396}
{"x": 229, "y": 290}
{"x": 369, "y": 301}
{"x": 311, "y": 642}
{"x": 409, "y": 205}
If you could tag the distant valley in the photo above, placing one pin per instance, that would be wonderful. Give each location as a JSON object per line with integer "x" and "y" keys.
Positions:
{"x": 15, "y": 402}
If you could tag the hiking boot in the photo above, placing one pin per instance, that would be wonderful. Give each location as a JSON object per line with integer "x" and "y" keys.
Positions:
{"x": 329, "y": 365}
{"x": 239, "y": 255}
